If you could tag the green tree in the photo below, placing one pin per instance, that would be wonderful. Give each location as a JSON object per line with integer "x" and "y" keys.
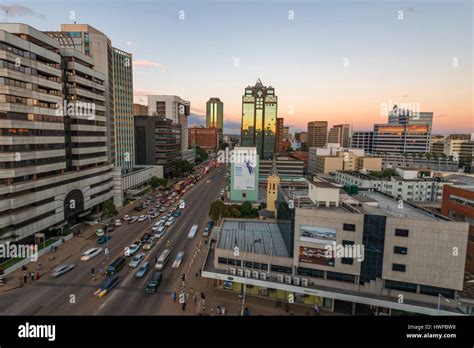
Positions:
{"x": 246, "y": 209}
{"x": 201, "y": 154}
{"x": 177, "y": 172}
{"x": 154, "y": 182}
{"x": 185, "y": 166}
{"x": 109, "y": 208}
{"x": 218, "y": 210}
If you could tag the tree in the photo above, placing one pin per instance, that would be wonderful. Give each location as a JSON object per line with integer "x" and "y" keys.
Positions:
{"x": 185, "y": 166}
{"x": 246, "y": 209}
{"x": 154, "y": 182}
{"x": 109, "y": 208}
{"x": 177, "y": 172}
{"x": 218, "y": 210}
{"x": 201, "y": 154}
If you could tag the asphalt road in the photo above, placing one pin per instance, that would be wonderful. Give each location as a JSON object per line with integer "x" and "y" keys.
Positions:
{"x": 72, "y": 293}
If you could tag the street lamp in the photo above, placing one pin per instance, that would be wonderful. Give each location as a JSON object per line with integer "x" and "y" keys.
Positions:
{"x": 439, "y": 301}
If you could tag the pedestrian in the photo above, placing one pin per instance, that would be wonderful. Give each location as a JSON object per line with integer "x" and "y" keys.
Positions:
{"x": 195, "y": 299}
{"x": 37, "y": 275}
{"x": 173, "y": 295}
{"x": 32, "y": 275}
{"x": 25, "y": 277}
{"x": 197, "y": 274}
{"x": 316, "y": 310}
{"x": 183, "y": 306}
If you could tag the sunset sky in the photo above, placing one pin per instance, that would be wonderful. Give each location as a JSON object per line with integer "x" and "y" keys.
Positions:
{"x": 300, "y": 53}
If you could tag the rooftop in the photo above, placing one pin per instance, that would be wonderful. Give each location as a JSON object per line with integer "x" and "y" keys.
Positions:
{"x": 253, "y": 236}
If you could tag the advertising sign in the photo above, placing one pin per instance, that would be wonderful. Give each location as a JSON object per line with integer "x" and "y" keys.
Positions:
{"x": 244, "y": 169}
{"x": 319, "y": 235}
{"x": 317, "y": 256}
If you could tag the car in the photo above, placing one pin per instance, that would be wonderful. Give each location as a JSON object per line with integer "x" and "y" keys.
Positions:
{"x": 91, "y": 253}
{"x": 103, "y": 239}
{"x": 178, "y": 260}
{"x": 136, "y": 260}
{"x": 118, "y": 223}
{"x": 177, "y": 213}
{"x": 192, "y": 231}
{"x": 208, "y": 181}
{"x": 210, "y": 224}
{"x": 160, "y": 232}
{"x": 110, "y": 227}
{"x": 138, "y": 208}
{"x": 206, "y": 231}
{"x": 154, "y": 215}
{"x": 133, "y": 219}
{"x": 99, "y": 232}
{"x": 170, "y": 221}
{"x": 182, "y": 204}
{"x": 145, "y": 267}
{"x": 126, "y": 217}
{"x": 145, "y": 237}
{"x": 163, "y": 220}
{"x": 149, "y": 243}
{"x": 152, "y": 211}
{"x": 142, "y": 218}
{"x": 153, "y": 283}
{"x": 106, "y": 286}
{"x": 60, "y": 270}
{"x": 130, "y": 250}
{"x": 162, "y": 209}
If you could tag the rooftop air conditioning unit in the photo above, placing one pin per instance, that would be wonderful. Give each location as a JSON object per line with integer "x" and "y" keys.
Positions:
{"x": 248, "y": 273}
{"x": 263, "y": 276}
{"x": 304, "y": 282}
{"x": 240, "y": 272}
{"x": 280, "y": 278}
{"x": 232, "y": 271}
{"x": 296, "y": 280}
{"x": 288, "y": 279}
{"x": 255, "y": 275}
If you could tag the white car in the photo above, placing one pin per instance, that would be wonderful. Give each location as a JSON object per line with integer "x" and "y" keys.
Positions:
{"x": 126, "y": 217}
{"x": 130, "y": 250}
{"x": 178, "y": 260}
{"x": 182, "y": 204}
{"x": 133, "y": 219}
{"x": 142, "y": 218}
{"x": 170, "y": 221}
{"x": 149, "y": 243}
{"x": 136, "y": 260}
{"x": 91, "y": 253}
{"x": 118, "y": 223}
{"x": 160, "y": 232}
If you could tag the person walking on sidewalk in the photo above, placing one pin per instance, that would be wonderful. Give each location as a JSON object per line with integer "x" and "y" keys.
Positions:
{"x": 32, "y": 275}
{"x": 37, "y": 275}
{"x": 25, "y": 277}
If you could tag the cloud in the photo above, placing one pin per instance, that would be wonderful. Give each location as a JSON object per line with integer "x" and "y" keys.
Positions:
{"x": 197, "y": 111}
{"x": 20, "y": 10}
{"x": 149, "y": 64}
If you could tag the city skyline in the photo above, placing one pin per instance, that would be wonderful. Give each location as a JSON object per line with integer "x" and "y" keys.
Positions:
{"x": 342, "y": 79}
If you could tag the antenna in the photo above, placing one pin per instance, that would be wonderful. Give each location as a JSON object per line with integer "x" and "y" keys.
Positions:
{"x": 6, "y": 15}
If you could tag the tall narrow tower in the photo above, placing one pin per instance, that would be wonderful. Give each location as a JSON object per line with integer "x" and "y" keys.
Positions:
{"x": 273, "y": 181}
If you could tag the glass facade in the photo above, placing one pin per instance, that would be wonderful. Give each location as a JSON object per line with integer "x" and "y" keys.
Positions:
{"x": 373, "y": 241}
{"x": 259, "y": 118}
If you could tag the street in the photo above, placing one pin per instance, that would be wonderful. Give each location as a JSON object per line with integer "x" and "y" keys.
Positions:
{"x": 72, "y": 293}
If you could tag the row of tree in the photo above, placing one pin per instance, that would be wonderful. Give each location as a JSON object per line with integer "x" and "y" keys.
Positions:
{"x": 220, "y": 210}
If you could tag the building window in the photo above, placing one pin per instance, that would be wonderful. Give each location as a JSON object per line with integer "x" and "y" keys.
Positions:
{"x": 244, "y": 195}
{"x": 349, "y": 227}
{"x": 392, "y": 284}
{"x": 309, "y": 272}
{"x": 347, "y": 261}
{"x": 398, "y": 267}
{"x": 342, "y": 277}
{"x": 400, "y": 250}
{"x": 401, "y": 232}
{"x": 434, "y": 291}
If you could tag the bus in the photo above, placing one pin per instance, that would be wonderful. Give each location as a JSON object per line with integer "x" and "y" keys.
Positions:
{"x": 162, "y": 259}
{"x": 192, "y": 231}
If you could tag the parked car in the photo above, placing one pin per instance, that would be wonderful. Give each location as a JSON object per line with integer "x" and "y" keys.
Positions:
{"x": 182, "y": 204}
{"x": 60, "y": 270}
{"x": 136, "y": 260}
{"x": 162, "y": 209}
{"x": 126, "y": 217}
{"x": 103, "y": 239}
{"x": 145, "y": 267}
{"x": 133, "y": 219}
{"x": 99, "y": 232}
{"x": 142, "y": 218}
{"x": 177, "y": 213}
{"x": 170, "y": 221}
{"x": 118, "y": 223}
{"x": 90, "y": 253}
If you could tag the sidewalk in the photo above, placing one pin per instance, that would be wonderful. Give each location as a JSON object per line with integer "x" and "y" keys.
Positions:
{"x": 74, "y": 246}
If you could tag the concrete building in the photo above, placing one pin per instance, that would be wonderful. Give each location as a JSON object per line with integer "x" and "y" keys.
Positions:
{"x": 157, "y": 142}
{"x": 289, "y": 168}
{"x": 302, "y": 156}
{"x": 139, "y": 109}
{"x": 341, "y": 134}
{"x": 116, "y": 67}
{"x": 413, "y": 161}
{"x": 408, "y": 185}
{"x": 302, "y": 136}
{"x": 317, "y": 133}
{"x": 410, "y": 117}
{"x": 215, "y": 114}
{"x": 259, "y": 118}
{"x": 286, "y": 133}
{"x": 279, "y": 135}
{"x": 174, "y": 108}
{"x": 458, "y": 204}
{"x": 401, "y": 138}
{"x": 54, "y": 169}
{"x": 289, "y": 256}
{"x": 205, "y": 138}
{"x": 363, "y": 140}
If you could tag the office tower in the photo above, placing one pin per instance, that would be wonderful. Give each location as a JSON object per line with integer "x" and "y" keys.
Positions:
{"x": 215, "y": 114}
{"x": 173, "y": 108}
{"x": 157, "y": 142}
{"x": 341, "y": 134}
{"x": 259, "y": 118}
{"x": 401, "y": 138}
{"x": 410, "y": 117}
{"x": 302, "y": 137}
{"x": 317, "y": 133}
{"x": 116, "y": 66}
{"x": 363, "y": 140}
{"x": 54, "y": 170}
{"x": 279, "y": 135}
{"x": 205, "y": 138}
{"x": 286, "y": 133}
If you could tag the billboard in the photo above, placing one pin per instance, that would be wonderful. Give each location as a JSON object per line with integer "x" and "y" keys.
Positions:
{"x": 317, "y": 256}
{"x": 321, "y": 235}
{"x": 245, "y": 162}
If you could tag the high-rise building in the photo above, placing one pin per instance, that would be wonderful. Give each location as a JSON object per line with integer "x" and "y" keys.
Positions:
{"x": 341, "y": 134}
{"x": 363, "y": 140}
{"x": 116, "y": 66}
{"x": 54, "y": 170}
{"x": 286, "y": 133}
{"x": 401, "y": 138}
{"x": 174, "y": 108}
{"x": 279, "y": 135}
{"x": 302, "y": 137}
{"x": 205, "y": 138}
{"x": 157, "y": 142}
{"x": 317, "y": 133}
{"x": 410, "y": 117}
{"x": 215, "y": 114}
{"x": 259, "y": 118}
